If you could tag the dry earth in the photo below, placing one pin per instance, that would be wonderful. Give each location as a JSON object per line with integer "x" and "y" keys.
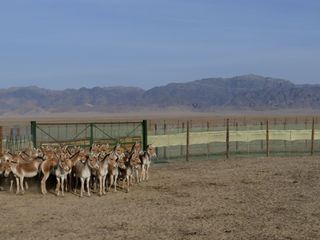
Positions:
{"x": 262, "y": 198}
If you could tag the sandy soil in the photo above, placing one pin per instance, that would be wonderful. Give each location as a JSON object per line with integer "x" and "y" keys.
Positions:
{"x": 265, "y": 198}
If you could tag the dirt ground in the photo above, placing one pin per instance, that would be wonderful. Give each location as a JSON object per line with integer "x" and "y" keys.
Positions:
{"x": 261, "y": 198}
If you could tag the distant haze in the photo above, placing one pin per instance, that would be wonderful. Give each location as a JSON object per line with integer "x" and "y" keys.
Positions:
{"x": 145, "y": 43}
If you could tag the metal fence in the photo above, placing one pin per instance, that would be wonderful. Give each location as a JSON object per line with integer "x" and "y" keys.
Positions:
{"x": 235, "y": 137}
{"x": 86, "y": 134}
{"x": 181, "y": 139}
{"x": 15, "y": 137}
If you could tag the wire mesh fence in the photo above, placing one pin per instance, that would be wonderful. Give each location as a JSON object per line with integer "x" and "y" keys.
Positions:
{"x": 177, "y": 139}
{"x": 237, "y": 137}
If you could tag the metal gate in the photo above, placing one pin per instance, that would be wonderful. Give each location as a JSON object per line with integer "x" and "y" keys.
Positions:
{"x": 87, "y": 134}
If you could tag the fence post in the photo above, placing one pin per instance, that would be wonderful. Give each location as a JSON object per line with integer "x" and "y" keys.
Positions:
{"x": 261, "y": 143}
{"x": 91, "y": 134}
{"x": 145, "y": 134}
{"x": 155, "y": 133}
{"x": 165, "y": 132}
{"x": 227, "y": 139}
{"x": 181, "y": 147}
{"x": 208, "y": 145}
{"x": 285, "y": 128}
{"x": 34, "y": 133}
{"x": 188, "y": 141}
{"x": 267, "y": 137}
{"x": 312, "y": 137}
{"x": 237, "y": 143}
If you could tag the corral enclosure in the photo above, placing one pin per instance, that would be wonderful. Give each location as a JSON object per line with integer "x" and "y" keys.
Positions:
{"x": 240, "y": 198}
{"x": 180, "y": 139}
{"x": 247, "y": 198}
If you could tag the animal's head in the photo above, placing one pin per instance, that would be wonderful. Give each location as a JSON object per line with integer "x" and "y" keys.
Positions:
{"x": 93, "y": 162}
{"x": 135, "y": 159}
{"x": 64, "y": 165}
{"x": 105, "y": 148}
{"x": 6, "y": 168}
{"x": 123, "y": 160}
{"x": 82, "y": 155}
{"x": 112, "y": 159}
{"x": 118, "y": 150}
{"x": 37, "y": 153}
{"x": 95, "y": 148}
{"x": 7, "y": 156}
{"x": 136, "y": 147}
{"x": 151, "y": 149}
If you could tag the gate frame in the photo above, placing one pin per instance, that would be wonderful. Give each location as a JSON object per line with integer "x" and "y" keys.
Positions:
{"x": 144, "y": 124}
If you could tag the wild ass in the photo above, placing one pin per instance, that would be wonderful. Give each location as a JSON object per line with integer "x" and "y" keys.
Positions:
{"x": 5, "y": 168}
{"x": 23, "y": 170}
{"x": 49, "y": 164}
{"x": 145, "y": 158}
{"x": 113, "y": 165}
{"x": 125, "y": 170}
{"x": 83, "y": 169}
{"x": 64, "y": 168}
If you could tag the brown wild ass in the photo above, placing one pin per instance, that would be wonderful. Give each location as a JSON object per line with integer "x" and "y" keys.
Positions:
{"x": 145, "y": 158}
{"x": 23, "y": 170}
{"x": 64, "y": 168}
{"x": 83, "y": 169}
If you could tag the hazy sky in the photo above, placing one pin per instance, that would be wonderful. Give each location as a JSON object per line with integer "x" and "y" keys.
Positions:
{"x": 74, "y": 43}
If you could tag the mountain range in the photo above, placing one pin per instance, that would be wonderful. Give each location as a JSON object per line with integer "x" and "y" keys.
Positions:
{"x": 250, "y": 92}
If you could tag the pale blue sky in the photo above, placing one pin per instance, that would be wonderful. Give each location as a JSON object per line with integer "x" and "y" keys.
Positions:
{"x": 73, "y": 43}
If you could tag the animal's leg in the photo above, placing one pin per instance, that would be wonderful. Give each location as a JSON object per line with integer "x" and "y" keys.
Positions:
{"x": 104, "y": 185}
{"x": 115, "y": 182}
{"x": 101, "y": 185}
{"x": 62, "y": 186}
{"x": 43, "y": 183}
{"x": 142, "y": 173}
{"x": 70, "y": 181}
{"x": 107, "y": 182}
{"x": 147, "y": 172}
{"x": 95, "y": 181}
{"x": 76, "y": 185}
{"x": 58, "y": 186}
{"x": 88, "y": 186}
{"x": 137, "y": 175}
{"x": 26, "y": 185}
{"x": 128, "y": 183}
{"x": 82, "y": 187}
{"x": 11, "y": 185}
{"x": 66, "y": 184}
{"x": 124, "y": 181}
{"x": 111, "y": 181}
{"x": 18, "y": 185}
{"x": 131, "y": 180}
{"x": 21, "y": 184}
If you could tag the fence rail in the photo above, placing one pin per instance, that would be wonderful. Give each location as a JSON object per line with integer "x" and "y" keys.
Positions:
{"x": 192, "y": 139}
{"x": 182, "y": 139}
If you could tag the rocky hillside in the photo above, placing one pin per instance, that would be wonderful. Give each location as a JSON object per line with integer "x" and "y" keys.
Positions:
{"x": 241, "y": 92}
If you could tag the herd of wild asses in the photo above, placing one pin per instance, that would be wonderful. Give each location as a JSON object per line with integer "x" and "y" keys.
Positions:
{"x": 100, "y": 166}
